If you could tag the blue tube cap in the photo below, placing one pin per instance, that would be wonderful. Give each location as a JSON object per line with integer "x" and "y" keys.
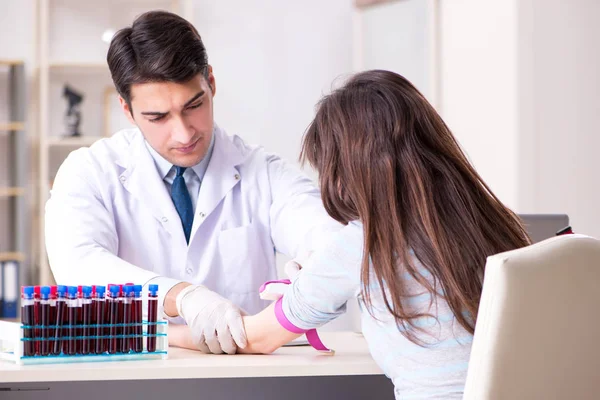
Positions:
{"x": 28, "y": 291}
{"x": 114, "y": 290}
{"x": 72, "y": 290}
{"x": 137, "y": 289}
{"x": 127, "y": 289}
{"x": 45, "y": 292}
{"x": 100, "y": 290}
{"x": 61, "y": 289}
{"x": 87, "y": 291}
{"x": 153, "y": 289}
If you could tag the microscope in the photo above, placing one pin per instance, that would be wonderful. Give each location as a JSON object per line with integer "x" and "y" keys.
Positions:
{"x": 73, "y": 116}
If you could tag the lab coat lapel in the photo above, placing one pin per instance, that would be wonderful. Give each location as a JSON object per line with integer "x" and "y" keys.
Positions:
{"x": 220, "y": 177}
{"x": 142, "y": 180}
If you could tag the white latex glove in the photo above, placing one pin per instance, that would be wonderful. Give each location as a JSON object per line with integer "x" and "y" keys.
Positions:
{"x": 215, "y": 322}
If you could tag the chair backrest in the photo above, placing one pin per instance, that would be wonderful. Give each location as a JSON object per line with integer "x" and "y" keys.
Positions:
{"x": 538, "y": 327}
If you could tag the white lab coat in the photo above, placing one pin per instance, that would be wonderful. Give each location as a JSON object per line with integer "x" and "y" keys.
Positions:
{"x": 110, "y": 218}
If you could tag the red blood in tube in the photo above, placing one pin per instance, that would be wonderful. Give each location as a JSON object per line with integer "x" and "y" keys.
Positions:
{"x": 37, "y": 334}
{"x": 45, "y": 331}
{"x": 100, "y": 313}
{"x": 28, "y": 318}
{"x": 138, "y": 341}
{"x": 152, "y": 316}
{"x": 60, "y": 320}
{"x": 72, "y": 342}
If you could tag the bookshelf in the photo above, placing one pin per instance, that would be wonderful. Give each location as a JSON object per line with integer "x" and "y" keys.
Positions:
{"x": 15, "y": 244}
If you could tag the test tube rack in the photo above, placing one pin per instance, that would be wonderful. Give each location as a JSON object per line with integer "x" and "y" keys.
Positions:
{"x": 13, "y": 339}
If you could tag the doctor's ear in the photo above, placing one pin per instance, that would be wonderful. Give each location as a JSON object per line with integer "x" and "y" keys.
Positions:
{"x": 127, "y": 110}
{"x": 211, "y": 81}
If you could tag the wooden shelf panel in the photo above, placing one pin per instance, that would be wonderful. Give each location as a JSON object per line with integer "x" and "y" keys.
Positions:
{"x": 11, "y": 191}
{"x": 12, "y": 256}
{"x": 12, "y": 126}
{"x": 58, "y": 65}
{"x": 82, "y": 141}
{"x": 10, "y": 63}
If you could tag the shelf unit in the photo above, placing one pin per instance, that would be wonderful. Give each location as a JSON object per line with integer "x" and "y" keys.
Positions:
{"x": 11, "y": 126}
{"x": 12, "y": 256}
{"x": 73, "y": 141}
{"x": 78, "y": 65}
{"x": 14, "y": 195}
{"x": 12, "y": 191}
{"x": 87, "y": 71}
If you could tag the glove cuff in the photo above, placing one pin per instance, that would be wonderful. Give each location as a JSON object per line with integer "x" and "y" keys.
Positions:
{"x": 184, "y": 292}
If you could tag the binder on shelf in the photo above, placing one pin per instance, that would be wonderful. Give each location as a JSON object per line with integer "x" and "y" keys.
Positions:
{"x": 10, "y": 291}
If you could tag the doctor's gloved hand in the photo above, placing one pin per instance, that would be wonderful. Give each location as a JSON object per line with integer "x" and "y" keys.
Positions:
{"x": 215, "y": 323}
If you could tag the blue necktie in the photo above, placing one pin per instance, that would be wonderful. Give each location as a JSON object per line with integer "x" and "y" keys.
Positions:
{"x": 183, "y": 202}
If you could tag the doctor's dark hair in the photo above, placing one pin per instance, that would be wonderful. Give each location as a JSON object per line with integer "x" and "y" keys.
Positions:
{"x": 386, "y": 158}
{"x": 159, "y": 47}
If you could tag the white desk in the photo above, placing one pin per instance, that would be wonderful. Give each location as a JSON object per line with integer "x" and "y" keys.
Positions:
{"x": 291, "y": 372}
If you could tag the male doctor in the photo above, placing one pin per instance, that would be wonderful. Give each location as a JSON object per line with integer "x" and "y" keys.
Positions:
{"x": 176, "y": 201}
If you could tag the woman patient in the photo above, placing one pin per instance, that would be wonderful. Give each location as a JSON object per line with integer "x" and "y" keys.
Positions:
{"x": 420, "y": 223}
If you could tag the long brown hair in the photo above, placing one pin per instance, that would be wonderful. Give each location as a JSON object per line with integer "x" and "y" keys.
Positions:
{"x": 386, "y": 158}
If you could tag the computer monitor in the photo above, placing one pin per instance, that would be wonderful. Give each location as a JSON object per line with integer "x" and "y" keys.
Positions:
{"x": 544, "y": 226}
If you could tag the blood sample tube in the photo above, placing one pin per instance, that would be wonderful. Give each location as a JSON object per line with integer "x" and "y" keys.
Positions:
{"x": 107, "y": 316}
{"x": 117, "y": 328}
{"x": 98, "y": 304}
{"x": 152, "y": 317}
{"x": 72, "y": 311}
{"x": 28, "y": 319}
{"x": 79, "y": 330}
{"x": 121, "y": 328}
{"x": 60, "y": 319}
{"x": 52, "y": 328}
{"x": 92, "y": 327}
{"x": 113, "y": 305}
{"x": 138, "y": 339}
{"x": 36, "y": 306}
{"x": 93, "y": 322}
{"x": 127, "y": 319}
{"x": 86, "y": 316}
{"x": 44, "y": 320}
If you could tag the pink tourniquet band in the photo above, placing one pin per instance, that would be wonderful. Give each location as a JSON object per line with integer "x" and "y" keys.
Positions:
{"x": 311, "y": 335}
{"x": 282, "y": 319}
{"x": 264, "y": 285}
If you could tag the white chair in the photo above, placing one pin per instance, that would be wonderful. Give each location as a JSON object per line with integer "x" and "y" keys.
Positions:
{"x": 538, "y": 329}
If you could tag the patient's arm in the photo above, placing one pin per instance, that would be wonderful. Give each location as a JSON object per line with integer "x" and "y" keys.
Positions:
{"x": 264, "y": 333}
{"x": 180, "y": 336}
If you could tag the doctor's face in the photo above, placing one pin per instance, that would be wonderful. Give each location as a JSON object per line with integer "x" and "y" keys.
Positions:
{"x": 175, "y": 118}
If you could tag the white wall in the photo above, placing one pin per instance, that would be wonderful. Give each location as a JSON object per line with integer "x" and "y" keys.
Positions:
{"x": 396, "y": 36}
{"x": 17, "y": 38}
{"x": 478, "y": 87}
{"x": 560, "y": 77}
{"x": 272, "y": 61}
{"x": 521, "y": 92}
